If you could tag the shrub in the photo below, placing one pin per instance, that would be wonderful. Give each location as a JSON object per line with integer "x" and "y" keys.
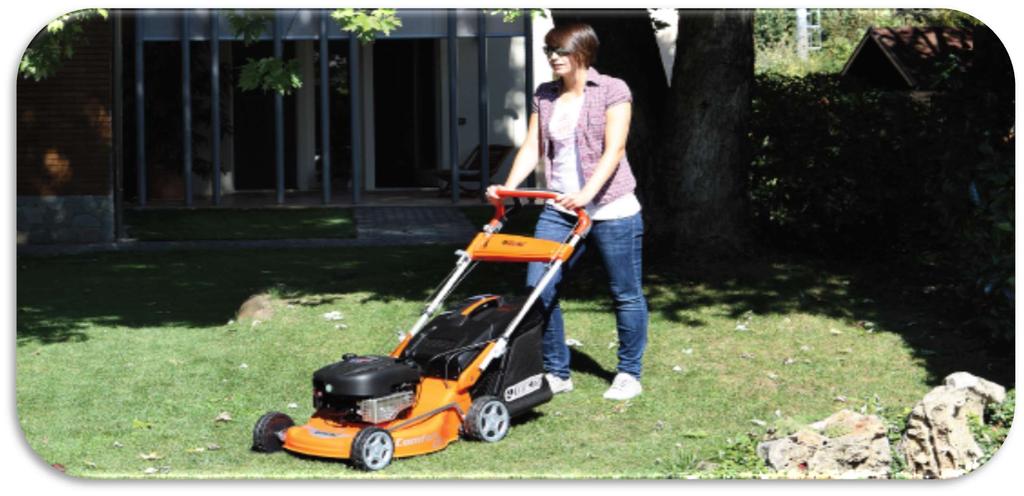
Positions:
{"x": 884, "y": 174}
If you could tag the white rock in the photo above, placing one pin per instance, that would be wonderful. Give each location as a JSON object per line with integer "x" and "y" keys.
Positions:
{"x": 858, "y": 449}
{"x": 938, "y": 442}
{"x": 989, "y": 391}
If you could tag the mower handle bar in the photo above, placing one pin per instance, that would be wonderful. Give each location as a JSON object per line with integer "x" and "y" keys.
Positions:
{"x": 582, "y": 224}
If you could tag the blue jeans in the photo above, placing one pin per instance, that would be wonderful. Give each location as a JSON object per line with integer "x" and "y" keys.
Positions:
{"x": 619, "y": 241}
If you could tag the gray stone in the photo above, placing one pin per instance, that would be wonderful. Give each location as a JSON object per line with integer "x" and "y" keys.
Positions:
{"x": 85, "y": 221}
{"x": 938, "y": 443}
{"x": 65, "y": 219}
{"x": 846, "y": 445}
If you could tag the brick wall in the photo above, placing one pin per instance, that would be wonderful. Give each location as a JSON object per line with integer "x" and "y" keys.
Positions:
{"x": 64, "y": 145}
{"x": 64, "y": 122}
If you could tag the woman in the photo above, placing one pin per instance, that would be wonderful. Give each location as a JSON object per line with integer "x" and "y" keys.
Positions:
{"x": 578, "y": 126}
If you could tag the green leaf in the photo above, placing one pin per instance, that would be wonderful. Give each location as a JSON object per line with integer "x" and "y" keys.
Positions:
{"x": 366, "y": 24}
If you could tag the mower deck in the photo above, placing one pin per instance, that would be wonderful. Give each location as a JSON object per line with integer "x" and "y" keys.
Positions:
{"x": 430, "y": 426}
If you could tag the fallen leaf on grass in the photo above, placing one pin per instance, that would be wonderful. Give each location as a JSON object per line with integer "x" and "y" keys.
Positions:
{"x": 293, "y": 405}
{"x": 195, "y": 450}
{"x": 659, "y": 425}
{"x": 150, "y": 456}
{"x": 212, "y": 447}
{"x": 340, "y": 326}
{"x": 89, "y": 464}
{"x": 758, "y": 422}
{"x": 788, "y": 361}
{"x": 572, "y": 342}
{"x": 695, "y": 434}
{"x": 612, "y": 345}
{"x": 840, "y": 399}
{"x": 742, "y": 327}
{"x": 621, "y": 407}
{"x": 835, "y": 332}
{"x": 58, "y": 466}
{"x": 688, "y": 351}
{"x": 223, "y": 417}
{"x": 244, "y": 366}
{"x": 141, "y": 424}
{"x": 677, "y": 368}
{"x": 117, "y": 444}
{"x": 335, "y": 315}
{"x": 747, "y": 356}
{"x": 773, "y": 376}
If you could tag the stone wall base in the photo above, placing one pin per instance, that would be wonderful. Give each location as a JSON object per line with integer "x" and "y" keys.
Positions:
{"x": 65, "y": 219}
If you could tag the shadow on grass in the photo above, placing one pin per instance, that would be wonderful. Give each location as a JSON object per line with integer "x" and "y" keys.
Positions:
{"x": 61, "y": 298}
{"x": 582, "y": 363}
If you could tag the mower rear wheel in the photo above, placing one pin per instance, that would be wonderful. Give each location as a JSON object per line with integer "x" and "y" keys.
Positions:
{"x": 265, "y": 435}
{"x": 487, "y": 420}
{"x": 372, "y": 449}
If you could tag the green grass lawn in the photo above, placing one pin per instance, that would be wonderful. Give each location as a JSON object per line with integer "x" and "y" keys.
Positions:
{"x": 256, "y": 223}
{"x": 125, "y": 361}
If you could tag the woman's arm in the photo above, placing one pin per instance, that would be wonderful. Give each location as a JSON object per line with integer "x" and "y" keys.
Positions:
{"x": 616, "y": 131}
{"x": 524, "y": 163}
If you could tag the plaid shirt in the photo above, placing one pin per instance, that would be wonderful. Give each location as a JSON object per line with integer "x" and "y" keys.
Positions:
{"x": 600, "y": 93}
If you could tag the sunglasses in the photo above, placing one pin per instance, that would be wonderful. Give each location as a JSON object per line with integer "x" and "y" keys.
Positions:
{"x": 561, "y": 52}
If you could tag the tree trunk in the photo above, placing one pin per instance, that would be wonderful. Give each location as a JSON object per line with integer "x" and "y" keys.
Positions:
{"x": 699, "y": 199}
{"x": 688, "y": 143}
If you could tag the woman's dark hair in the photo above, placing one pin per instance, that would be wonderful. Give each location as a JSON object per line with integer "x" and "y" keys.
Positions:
{"x": 577, "y": 37}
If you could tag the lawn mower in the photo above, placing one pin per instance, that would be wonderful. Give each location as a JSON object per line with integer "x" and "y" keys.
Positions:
{"x": 466, "y": 371}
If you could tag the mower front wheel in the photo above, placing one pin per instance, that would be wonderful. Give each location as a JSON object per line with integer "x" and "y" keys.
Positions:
{"x": 372, "y": 449}
{"x": 487, "y": 420}
{"x": 266, "y": 434}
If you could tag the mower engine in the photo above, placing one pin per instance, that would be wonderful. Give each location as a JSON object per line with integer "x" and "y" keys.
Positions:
{"x": 372, "y": 389}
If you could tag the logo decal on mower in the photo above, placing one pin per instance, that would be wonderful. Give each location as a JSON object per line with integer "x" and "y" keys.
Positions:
{"x": 433, "y": 438}
{"x": 523, "y": 387}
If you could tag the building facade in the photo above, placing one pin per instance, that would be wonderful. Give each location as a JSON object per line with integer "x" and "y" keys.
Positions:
{"x": 149, "y": 112}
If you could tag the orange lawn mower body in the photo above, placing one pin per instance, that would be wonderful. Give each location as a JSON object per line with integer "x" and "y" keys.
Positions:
{"x": 466, "y": 371}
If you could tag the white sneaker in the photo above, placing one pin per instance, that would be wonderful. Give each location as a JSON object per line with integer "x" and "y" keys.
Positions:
{"x": 624, "y": 387}
{"x": 559, "y": 385}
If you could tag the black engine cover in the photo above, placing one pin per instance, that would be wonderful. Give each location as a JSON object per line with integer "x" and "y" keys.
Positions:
{"x": 360, "y": 377}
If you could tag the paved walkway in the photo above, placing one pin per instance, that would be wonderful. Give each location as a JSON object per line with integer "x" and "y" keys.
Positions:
{"x": 375, "y": 226}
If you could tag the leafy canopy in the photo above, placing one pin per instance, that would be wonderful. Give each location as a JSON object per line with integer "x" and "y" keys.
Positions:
{"x": 55, "y": 44}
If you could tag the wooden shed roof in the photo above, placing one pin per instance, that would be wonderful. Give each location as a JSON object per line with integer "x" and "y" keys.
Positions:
{"x": 919, "y": 55}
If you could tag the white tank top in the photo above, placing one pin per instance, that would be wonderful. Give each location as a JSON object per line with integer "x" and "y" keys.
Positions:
{"x": 566, "y": 169}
